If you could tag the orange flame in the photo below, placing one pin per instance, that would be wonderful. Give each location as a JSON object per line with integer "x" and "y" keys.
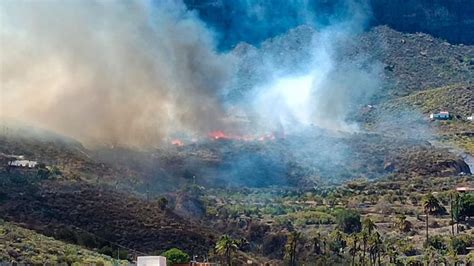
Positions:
{"x": 220, "y": 135}
{"x": 177, "y": 142}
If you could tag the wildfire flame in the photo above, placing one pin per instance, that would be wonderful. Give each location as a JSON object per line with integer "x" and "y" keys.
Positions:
{"x": 220, "y": 135}
{"x": 177, "y": 142}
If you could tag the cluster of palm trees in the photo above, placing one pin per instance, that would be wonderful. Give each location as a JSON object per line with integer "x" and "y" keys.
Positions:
{"x": 364, "y": 245}
{"x": 367, "y": 243}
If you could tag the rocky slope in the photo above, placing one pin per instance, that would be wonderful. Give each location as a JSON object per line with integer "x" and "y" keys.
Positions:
{"x": 450, "y": 20}
{"x": 237, "y": 21}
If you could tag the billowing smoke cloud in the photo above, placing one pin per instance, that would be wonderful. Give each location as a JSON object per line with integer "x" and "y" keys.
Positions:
{"x": 136, "y": 73}
{"x": 310, "y": 75}
{"x": 117, "y": 72}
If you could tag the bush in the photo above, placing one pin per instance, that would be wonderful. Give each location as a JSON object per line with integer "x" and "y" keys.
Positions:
{"x": 406, "y": 248}
{"x": 437, "y": 242}
{"x": 162, "y": 203}
{"x": 348, "y": 221}
{"x": 175, "y": 256}
{"x": 459, "y": 244}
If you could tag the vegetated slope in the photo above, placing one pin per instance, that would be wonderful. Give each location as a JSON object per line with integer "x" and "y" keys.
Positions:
{"x": 459, "y": 100}
{"x": 414, "y": 62}
{"x": 97, "y": 216}
{"x": 410, "y": 115}
{"x": 20, "y": 245}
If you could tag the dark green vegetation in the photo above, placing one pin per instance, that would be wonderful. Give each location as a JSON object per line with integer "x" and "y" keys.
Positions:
{"x": 176, "y": 256}
{"x": 385, "y": 194}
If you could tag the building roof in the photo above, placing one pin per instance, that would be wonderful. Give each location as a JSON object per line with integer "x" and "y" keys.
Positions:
{"x": 464, "y": 189}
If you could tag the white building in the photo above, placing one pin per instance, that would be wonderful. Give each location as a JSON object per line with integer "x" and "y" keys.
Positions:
{"x": 23, "y": 163}
{"x": 151, "y": 261}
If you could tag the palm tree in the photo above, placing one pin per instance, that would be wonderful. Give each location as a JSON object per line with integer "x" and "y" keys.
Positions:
{"x": 225, "y": 246}
{"x": 353, "y": 238}
{"x": 451, "y": 196}
{"x": 291, "y": 245}
{"x": 430, "y": 203}
{"x": 368, "y": 225}
{"x": 455, "y": 211}
{"x": 375, "y": 248}
{"x": 364, "y": 236}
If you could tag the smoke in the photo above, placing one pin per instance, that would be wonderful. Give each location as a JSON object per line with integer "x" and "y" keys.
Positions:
{"x": 310, "y": 75}
{"x": 136, "y": 73}
{"x": 116, "y": 72}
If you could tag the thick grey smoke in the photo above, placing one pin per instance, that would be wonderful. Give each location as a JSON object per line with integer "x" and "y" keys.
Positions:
{"x": 136, "y": 73}
{"x": 110, "y": 71}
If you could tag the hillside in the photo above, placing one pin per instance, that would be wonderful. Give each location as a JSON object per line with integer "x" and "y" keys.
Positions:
{"x": 414, "y": 62}
{"x": 19, "y": 245}
{"x": 414, "y": 110}
{"x": 449, "y": 20}
{"x": 311, "y": 188}
{"x": 97, "y": 216}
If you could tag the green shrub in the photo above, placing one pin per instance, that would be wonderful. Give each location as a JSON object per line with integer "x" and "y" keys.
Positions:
{"x": 406, "y": 248}
{"x": 348, "y": 221}
{"x": 175, "y": 256}
{"x": 459, "y": 244}
{"x": 437, "y": 242}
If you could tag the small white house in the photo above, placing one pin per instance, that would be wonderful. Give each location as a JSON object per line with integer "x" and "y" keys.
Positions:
{"x": 23, "y": 163}
{"x": 151, "y": 261}
{"x": 443, "y": 115}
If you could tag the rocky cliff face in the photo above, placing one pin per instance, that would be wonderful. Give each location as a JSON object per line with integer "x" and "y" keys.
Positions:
{"x": 236, "y": 21}
{"x": 452, "y": 20}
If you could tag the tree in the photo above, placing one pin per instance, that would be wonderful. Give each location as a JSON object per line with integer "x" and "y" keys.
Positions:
{"x": 369, "y": 225}
{"x": 318, "y": 244}
{"x": 455, "y": 212}
{"x": 353, "y": 239}
{"x": 375, "y": 248}
{"x": 225, "y": 246}
{"x": 175, "y": 256}
{"x": 454, "y": 209}
{"x": 466, "y": 206}
{"x": 364, "y": 236}
{"x": 337, "y": 242}
{"x": 162, "y": 203}
{"x": 430, "y": 204}
{"x": 291, "y": 245}
{"x": 348, "y": 221}
{"x": 402, "y": 224}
